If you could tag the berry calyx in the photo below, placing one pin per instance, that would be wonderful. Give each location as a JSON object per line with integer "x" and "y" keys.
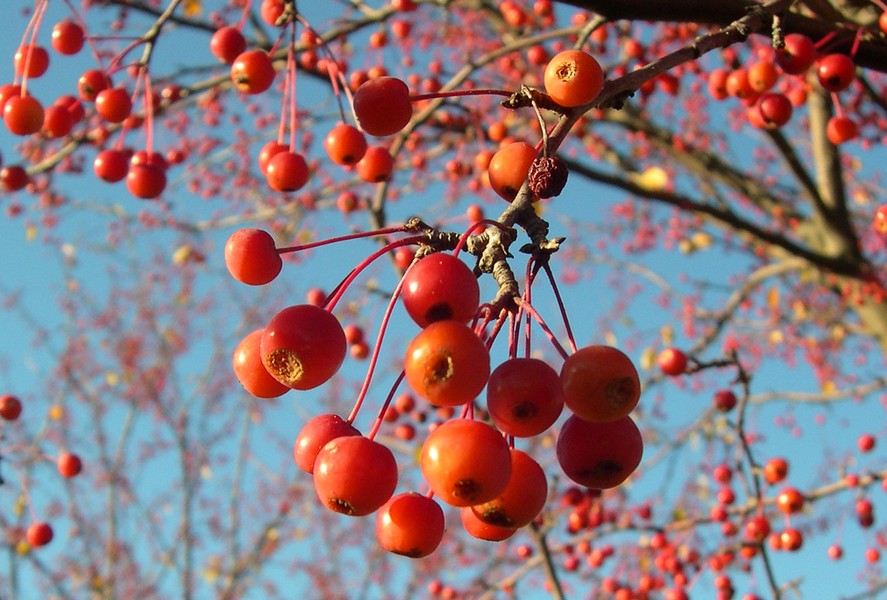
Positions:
{"x": 249, "y": 370}
{"x": 303, "y": 346}
{"x": 600, "y": 383}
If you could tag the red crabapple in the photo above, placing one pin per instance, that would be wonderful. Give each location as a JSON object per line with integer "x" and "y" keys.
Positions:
{"x": 303, "y": 346}
{"x": 440, "y": 287}
{"x": 600, "y": 383}
{"x": 251, "y": 257}
{"x": 382, "y": 106}
{"x": 599, "y": 455}
{"x": 315, "y": 434}
{"x": 10, "y": 407}
{"x": 410, "y": 524}
{"x": 354, "y": 475}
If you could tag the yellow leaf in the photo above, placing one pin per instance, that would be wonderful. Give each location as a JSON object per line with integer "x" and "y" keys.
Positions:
{"x": 773, "y": 298}
{"x": 667, "y": 335}
{"x": 701, "y": 240}
{"x": 776, "y": 336}
{"x": 30, "y": 233}
{"x": 192, "y": 8}
{"x": 648, "y": 358}
{"x": 652, "y": 179}
{"x": 828, "y": 386}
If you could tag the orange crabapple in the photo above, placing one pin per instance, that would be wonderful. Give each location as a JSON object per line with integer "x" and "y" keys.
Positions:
{"x": 345, "y": 144}
{"x": 466, "y": 462}
{"x": 249, "y": 370}
{"x": 69, "y": 464}
{"x": 600, "y": 383}
{"x": 447, "y": 364}
{"x": 410, "y": 524}
{"x": 523, "y": 497}
{"x": 39, "y": 533}
{"x": 509, "y": 168}
{"x": 67, "y": 37}
{"x": 376, "y": 166}
{"x": 573, "y": 78}
{"x": 481, "y": 530}
{"x": 252, "y": 72}
{"x": 775, "y": 470}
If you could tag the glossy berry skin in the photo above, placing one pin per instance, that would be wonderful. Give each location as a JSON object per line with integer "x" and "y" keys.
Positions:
{"x": 775, "y": 470}
{"x": 880, "y": 220}
{"x": 113, "y": 104}
{"x": 599, "y": 455}
{"x": 673, "y": 362}
{"x": 466, "y": 462}
{"x": 111, "y": 165}
{"x": 573, "y": 78}
{"x": 797, "y": 55}
{"x": 56, "y": 122}
{"x": 315, "y": 434}
{"x": 67, "y": 37}
{"x": 354, "y": 475}
{"x": 268, "y": 151}
{"x": 69, "y": 465}
{"x": 91, "y": 83}
{"x": 345, "y": 144}
{"x": 227, "y": 43}
{"x": 447, "y": 364}
{"x": 523, "y": 498}
{"x": 13, "y": 178}
{"x": 410, "y": 524}
{"x": 287, "y": 171}
{"x": 303, "y": 346}
{"x": 39, "y": 534}
{"x": 249, "y": 370}
{"x": 376, "y": 166}
{"x": 31, "y": 61}
{"x": 775, "y": 110}
{"x": 251, "y": 257}
{"x": 23, "y": 115}
{"x": 841, "y": 129}
{"x": 790, "y": 501}
{"x": 524, "y": 396}
{"x": 10, "y": 407}
{"x": 382, "y": 106}
{"x": 835, "y": 72}
{"x": 440, "y": 287}
{"x": 725, "y": 400}
{"x": 509, "y": 168}
{"x": 145, "y": 181}
{"x": 481, "y": 530}
{"x": 600, "y": 383}
{"x": 252, "y": 72}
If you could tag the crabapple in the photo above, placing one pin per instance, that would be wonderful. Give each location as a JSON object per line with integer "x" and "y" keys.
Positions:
{"x": 466, "y": 462}
{"x": 10, "y": 407}
{"x": 249, "y": 370}
{"x": 447, "y": 364}
{"x": 673, "y": 362}
{"x": 523, "y": 497}
{"x": 440, "y": 287}
{"x": 573, "y": 78}
{"x": 599, "y": 455}
{"x": 482, "y": 530}
{"x": 382, "y": 106}
{"x": 600, "y": 383}
{"x": 315, "y": 434}
{"x": 251, "y": 257}
{"x": 69, "y": 464}
{"x": 410, "y": 524}
{"x": 354, "y": 475}
{"x": 39, "y": 533}
{"x": 252, "y": 72}
{"x": 303, "y": 346}
{"x": 524, "y": 396}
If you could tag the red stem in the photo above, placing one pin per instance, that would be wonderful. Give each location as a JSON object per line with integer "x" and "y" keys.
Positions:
{"x": 381, "y": 416}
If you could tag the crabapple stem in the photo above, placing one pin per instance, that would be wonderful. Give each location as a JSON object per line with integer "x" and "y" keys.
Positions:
{"x": 342, "y": 238}
{"x": 380, "y": 417}
{"x": 535, "y": 314}
{"x": 560, "y": 303}
{"x": 458, "y": 93}
{"x": 334, "y": 299}
{"x": 376, "y": 349}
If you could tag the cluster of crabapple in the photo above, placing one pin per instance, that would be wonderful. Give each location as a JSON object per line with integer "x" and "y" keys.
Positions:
{"x": 98, "y": 108}
{"x": 466, "y": 462}
{"x": 39, "y": 533}
{"x": 772, "y": 86}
